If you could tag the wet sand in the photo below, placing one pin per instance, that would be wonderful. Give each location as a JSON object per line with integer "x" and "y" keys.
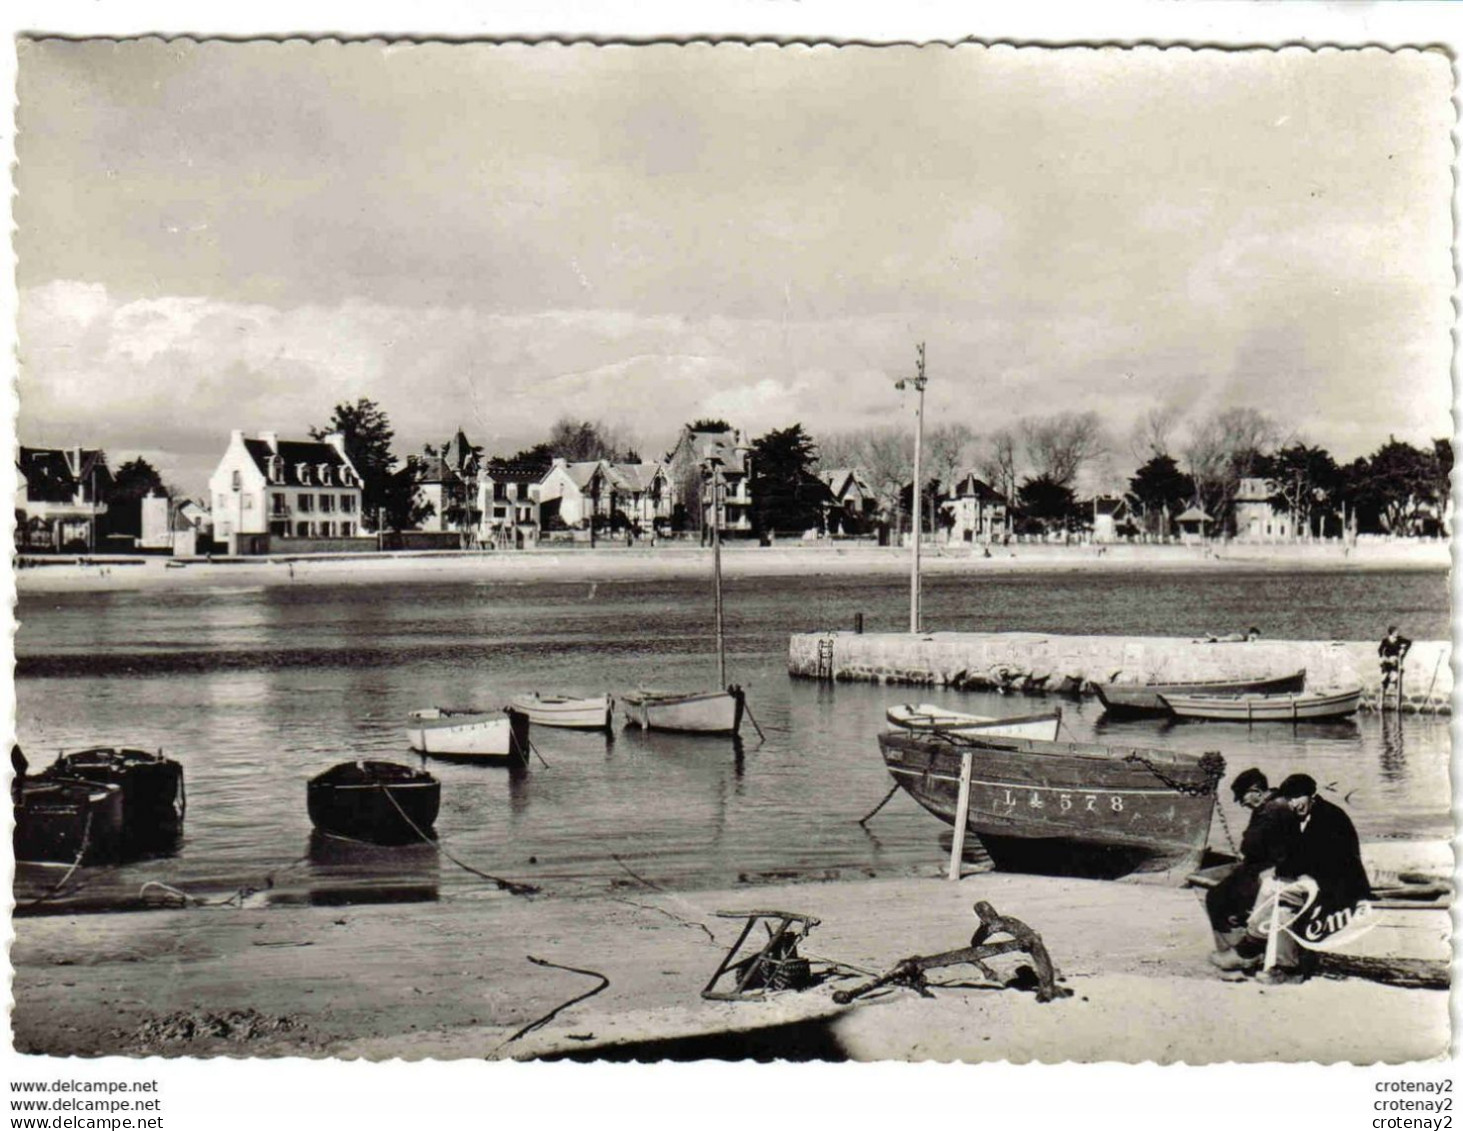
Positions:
{"x": 454, "y": 980}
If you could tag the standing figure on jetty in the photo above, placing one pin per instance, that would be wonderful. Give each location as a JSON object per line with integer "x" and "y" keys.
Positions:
{"x": 1393, "y": 650}
{"x": 1268, "y": 838}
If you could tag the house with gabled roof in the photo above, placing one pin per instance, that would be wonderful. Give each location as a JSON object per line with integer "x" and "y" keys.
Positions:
{"x": 641, "y": 493}
{"x": 687, "y": 463}
{"x": 857, "y": 505}
{"x": 286, "y": 488}
{"x": 60, "y": 494}
{"x": 449, "y": 484}
{"x": 569, "y": 493}
{"x": 974, "y": 510}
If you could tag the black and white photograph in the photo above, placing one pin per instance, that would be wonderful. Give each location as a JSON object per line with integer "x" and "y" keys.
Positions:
{"x": 565, "y": 549}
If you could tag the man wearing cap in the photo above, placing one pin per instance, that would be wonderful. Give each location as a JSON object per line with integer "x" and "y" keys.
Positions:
{"x": 1269, "y": 837}
{"x": 1327, "y": 851}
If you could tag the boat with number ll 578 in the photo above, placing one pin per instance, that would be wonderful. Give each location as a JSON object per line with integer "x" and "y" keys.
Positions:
{"x": 928, "y": 717}
{"x": 484, "y": 736}
{"x": 593, "y": 713}
{"x": 1266, "y": 708}
{"x": 378, "y": 802}
{"x": 1143, "y": 698}
{"x": 1070, "y": 808}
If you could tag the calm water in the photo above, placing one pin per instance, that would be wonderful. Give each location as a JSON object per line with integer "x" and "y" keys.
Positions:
{"x": 256, "y": 689}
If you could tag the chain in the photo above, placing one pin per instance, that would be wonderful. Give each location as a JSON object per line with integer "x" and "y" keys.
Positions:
{"x": 1211, "y": 763}
{"x": 1224, "y": 823}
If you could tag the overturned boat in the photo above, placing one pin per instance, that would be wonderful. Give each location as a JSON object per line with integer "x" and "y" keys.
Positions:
{"x": 1067, "y": 808}
{"x": 376, "y": 802}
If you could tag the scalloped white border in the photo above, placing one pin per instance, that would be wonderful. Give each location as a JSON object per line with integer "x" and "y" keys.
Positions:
{"x": 247, "y": 1094}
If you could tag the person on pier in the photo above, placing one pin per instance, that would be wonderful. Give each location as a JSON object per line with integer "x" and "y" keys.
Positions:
{"x": 1393, "y": 650}
{"x": 1268, "y": 838}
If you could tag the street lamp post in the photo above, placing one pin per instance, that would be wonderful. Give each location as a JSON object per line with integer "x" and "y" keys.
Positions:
{"x": 918, "y": 381}
{"x": 714, "y": 466}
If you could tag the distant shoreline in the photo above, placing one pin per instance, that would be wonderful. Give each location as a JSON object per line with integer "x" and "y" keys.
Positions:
{"x": 739, "y": 560}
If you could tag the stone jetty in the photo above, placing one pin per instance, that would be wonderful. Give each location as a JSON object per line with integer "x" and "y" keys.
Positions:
{"x": 1036, "y": 663}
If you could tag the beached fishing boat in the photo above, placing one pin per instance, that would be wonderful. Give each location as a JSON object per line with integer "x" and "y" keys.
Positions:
{"x": 1065, "y": 807}
{"x": 927, "y": 717}
{"x": 1265, "y": 708}
{"x": 705, "y": 712}
{"x": 377, "y": 802}
{"x": 594, "y": 713}
{"x": 66, "y": 821}
{"x": 1143, "y": 698}
{"x": 153, "y": 798}
{"x": 488, "y": 736}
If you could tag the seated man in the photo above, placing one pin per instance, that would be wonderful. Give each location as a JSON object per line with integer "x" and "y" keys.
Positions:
{"x": 1328, "y": 852}
{"x": 1268, "y": 838}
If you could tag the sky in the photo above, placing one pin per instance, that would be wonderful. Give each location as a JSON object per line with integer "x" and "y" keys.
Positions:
{"x": 241, "y": 235}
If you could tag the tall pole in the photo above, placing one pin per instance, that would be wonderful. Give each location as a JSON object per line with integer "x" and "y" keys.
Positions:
{"x": 716, "y": 569}
{"x": 918, "y": 381}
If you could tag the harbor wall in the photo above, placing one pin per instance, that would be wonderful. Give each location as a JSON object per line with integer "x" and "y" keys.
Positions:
{"x": 1038, "y": 663}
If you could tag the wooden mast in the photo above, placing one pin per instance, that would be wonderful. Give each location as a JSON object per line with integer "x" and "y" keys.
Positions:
{"x": 716, "y": 569}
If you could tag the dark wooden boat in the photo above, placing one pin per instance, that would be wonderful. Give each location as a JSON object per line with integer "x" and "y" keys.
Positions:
{"x": 153, "y": 797}
{"x": 377, "y": 802}
{"x": 66, "y": 821}
{"x": 1144, "y": 698}
{"x": 1066, "y": 808}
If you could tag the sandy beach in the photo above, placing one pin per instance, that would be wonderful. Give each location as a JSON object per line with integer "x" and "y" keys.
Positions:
{"x": 454, "y": 979}
{"x": 677, "y": 560}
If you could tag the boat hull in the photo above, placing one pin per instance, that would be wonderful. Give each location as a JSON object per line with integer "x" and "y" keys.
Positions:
{"x": 470, "y": 735}
{"x": 153, "y": 797}
{"x": 595, "y": 713}
{"x": 375, "y": 802}
{"x": 1144, "y": 698}
{"x": 1264, "y": 708}
{"x": 67, "y": 821}
{"x": 925, "y": 718}
{"x": 1065, "y": 808}
{"x": 709, "y": 712}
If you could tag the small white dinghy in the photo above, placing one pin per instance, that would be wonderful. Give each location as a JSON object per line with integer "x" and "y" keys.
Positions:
{"x": 923, "y": 717}
{"x": 594, "y": 713}
{"x": 486, "y": 736}
{"x": 702, "y": 712}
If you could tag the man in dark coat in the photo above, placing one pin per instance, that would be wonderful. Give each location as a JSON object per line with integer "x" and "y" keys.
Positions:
{"x": 1329, "y": 852}
{"x": 1268, "y": 838}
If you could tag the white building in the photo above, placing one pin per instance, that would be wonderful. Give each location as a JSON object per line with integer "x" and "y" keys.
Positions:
{"x": 288, "y": 488}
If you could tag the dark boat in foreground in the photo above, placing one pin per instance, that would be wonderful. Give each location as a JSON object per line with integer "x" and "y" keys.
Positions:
{"x": 378, "y": 802}
{"x": 1066, "y": 808}
{"x": 66, "y": 821}
{"x": 153, "y": 797}
{"x": 1145, "y": 698}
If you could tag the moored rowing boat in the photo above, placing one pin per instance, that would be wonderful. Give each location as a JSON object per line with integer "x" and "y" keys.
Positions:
{"x": 595, "y": 713}
{"x": 489, "y": 736}
{"x": 704, "y": 712}
{"x": 1143, "y": 698}
{"x": 925, "y": 717}
{"x": 1265, "y": 708}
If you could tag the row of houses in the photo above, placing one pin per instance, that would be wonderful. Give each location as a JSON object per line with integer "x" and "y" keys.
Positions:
{"x": 309, "y": 491}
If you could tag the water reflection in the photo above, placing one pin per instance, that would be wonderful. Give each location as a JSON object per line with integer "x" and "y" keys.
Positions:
{"x": 1393, "y": 760}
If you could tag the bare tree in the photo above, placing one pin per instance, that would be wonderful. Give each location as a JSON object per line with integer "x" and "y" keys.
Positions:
{"x": 1057, "y": 446}
{"x": 997, "y": 463}
{"x": 1153, "y": 433}
{"x": 947, "y": 450}
{"x": 1224, "y": 449}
